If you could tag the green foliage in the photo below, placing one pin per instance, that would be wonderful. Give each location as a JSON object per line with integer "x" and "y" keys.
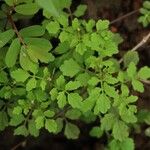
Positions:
{"x": 145, "y": 14}
{"x": 64, "y": 70}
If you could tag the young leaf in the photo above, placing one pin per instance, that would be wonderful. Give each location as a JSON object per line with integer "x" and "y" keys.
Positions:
{"x": 26, "y": 63}
{"x": 72, "y": 85}
{"x": 81, "y": 48}
{"x": 96, "y": 132}
{"x": 51, "y": 125}
{"x": 3, "y": 77}
{"x": 102, "y": 25}
{"x": 120, "y": 130}
{"x": 110, "y": 90}
{"x": 71, "y": 131}
{"x": 16, "y": 120}
{"x": 144, "y": 73}
{"x": 49, "y": 6}
{"x": 32, "y": 128}
{"x": 31, "y": 84}
{"x": 3, "y": 120}
{"x": 12, "y": 53}
{"x": 108, "y": 121}
{"x": 61, "y": 99}
{"x": 60, "y": 82}
{"x": 53, "y": 27}
{"x": 138, "y": 86}
{"x": 70, "y": 68}
{"x": 75, "y": 100}
{"x": 73, "y": 114}
{"x": 32, "y": 31}
{"x": 21, "y": 130}
{"x": 80, "y": 11}
{"x": 27, "y": 9}
{"x": 130, "y": 56}
{"x": 20, "y": 75}
{"x": 39, "y": 122}
{"x": 103, "y": 104}
{"x": 131, "y": 70}
{"x": 49, "y": 113}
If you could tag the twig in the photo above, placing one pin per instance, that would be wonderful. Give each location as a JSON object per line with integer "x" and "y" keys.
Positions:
{"x": 10, "y": 19}
{"x": 141, "y": 43}
{"x": 124, "y": 16}
{"x": 22, "y": 144}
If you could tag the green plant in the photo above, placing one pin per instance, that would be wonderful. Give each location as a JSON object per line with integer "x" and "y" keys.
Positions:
{"x": 145, "y": 11}
{"x": 46, "y": 84}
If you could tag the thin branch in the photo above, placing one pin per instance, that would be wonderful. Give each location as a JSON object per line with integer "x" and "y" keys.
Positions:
{"x": 140, "y": 44}
{"x": 11, "y": 21}
{"x": 22, "y": 144}
{"x": 124, "y": 16}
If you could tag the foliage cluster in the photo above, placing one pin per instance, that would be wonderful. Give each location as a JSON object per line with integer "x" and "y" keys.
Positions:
{"x": 62, "y": 70}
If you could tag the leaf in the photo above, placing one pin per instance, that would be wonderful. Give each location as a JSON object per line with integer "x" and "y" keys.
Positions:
{"x": 16, "y": 120}
{"x": 102, "y": 25}
{"x": 3, "y": 77}
{"x": 110, "y": 90}
{"x": 20, "y": 75}
{"x": 32, "y": 128}
{"x": 120, "y": 130}
{"x": 53, "y": 27}
{"x": 32, "y": 31}
{"x": 138, "y": 86}
{"x": 96, "y": 132}
{"x": 49, "y": 113}
{"x": 128, "y": 114}
{"x": 39, "y": 122}
{"x": 93, "y": 81}
{"x": 75, "y": 100}
{"x": 108, "y": 121}
{"x": 103, "y": 104}
{"x": 26, "y": 63}
{"x": 17, "y": 110}
{"x": 71, "y": 131}
{"x": 70, "y": 68}
{"x": 60, "y": 82}
{"x": 62, "y": 47}
{"x": 80, "y": 11}
{"x": 12, "y": 53}
{"x": 31, "y": 84}
{"x": 36, "y": 54}
{"x": 43, "y": 84}
{"x": 27, "y": 9}
{"x": 131, "y": 70}
{"x": 83, "y": 78}
{"x": 144, "y": 73}
{"x": 61, "y": 100}
{"x": 127, "y": 144}
{"x": 3, "y": 120}
{"x": 130, "y": 56}
{"x": 81, "y": 48}
{"x": 73, "y": 114}
{"x": 72, "y": 85}
{"x": 21, "y": 130}
{"x": 51, "y": 125}
{"x": 54, "y": 94}
{"x": 49, "y": 6}
{"x": 42, "y": 43}
{"x": 5, "y": 37}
